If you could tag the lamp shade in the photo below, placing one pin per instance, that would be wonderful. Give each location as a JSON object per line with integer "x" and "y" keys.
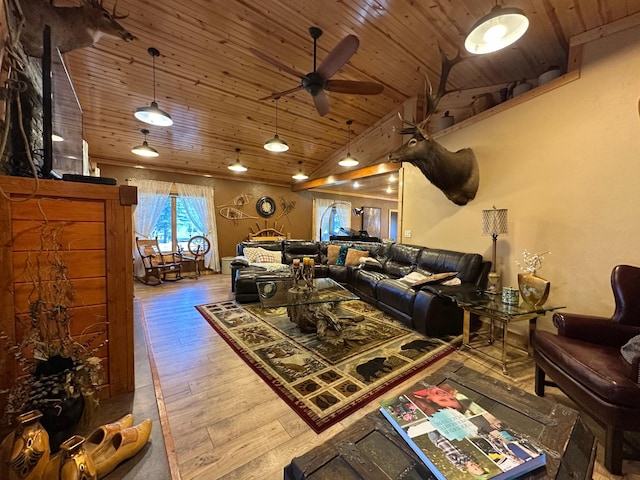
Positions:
{"x": 145, "y": 150}
{"x": 300, "y": 175}
{"x": 153, "y": 115}
{"x": 237, "y": 167}
{"x": 348, "y": 161}
{"x": 494, "y": 222}
{"x": 276, "y": 144}
{"x": 497, "y": 30}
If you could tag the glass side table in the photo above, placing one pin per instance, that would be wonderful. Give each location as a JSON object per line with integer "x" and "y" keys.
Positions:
{"x": 491, "y": 307}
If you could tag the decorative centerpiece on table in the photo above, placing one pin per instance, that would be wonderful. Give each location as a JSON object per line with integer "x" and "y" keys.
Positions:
{"x": 533, "y": 289}
{"x": 303, "y": 271}
{"x": 57, "y": 375}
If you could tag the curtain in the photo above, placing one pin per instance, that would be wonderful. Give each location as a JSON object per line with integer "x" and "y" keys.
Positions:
{"x": 321, "y": 211}
{"x": 199, "y": 203}
{"x": 152, "y": 195}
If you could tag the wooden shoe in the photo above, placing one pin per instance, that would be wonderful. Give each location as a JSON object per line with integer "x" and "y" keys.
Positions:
{"x": 103, "y": 434}
{"x": 122, "y": 446}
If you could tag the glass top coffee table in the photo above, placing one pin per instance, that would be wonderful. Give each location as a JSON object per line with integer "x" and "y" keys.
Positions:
{"x": 309, "y": 308}
{"x": 495, "y": 310}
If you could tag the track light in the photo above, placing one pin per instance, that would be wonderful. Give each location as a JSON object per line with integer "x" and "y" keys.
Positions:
{"x": 300, "y": 175}
{"x": 497, "y": 30}
{"x": 348, "y": 161}
{"x": 275, "y": 144}
{"x": 237, "y": 167}
{"x": 152, "y": 114}
{"x": 145, "y": 150}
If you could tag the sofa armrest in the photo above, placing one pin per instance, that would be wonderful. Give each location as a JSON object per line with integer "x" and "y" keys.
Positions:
{"x": 593, "y": 329}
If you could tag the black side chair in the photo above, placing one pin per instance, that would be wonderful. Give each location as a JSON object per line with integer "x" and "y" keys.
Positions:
{"x": 585, "y": 362}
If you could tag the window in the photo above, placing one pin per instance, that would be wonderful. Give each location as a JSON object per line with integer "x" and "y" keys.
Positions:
{"x": 174, "y": 228}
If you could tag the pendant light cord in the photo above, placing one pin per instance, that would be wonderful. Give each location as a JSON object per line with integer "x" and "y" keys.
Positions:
{"x": 154, "y": 77}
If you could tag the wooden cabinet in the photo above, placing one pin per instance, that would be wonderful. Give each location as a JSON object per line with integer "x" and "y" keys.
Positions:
{"x": 95, "y": 237}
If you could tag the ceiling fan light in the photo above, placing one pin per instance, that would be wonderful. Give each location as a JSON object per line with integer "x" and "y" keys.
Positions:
{"x": 154, "y": 116}
{"x": 496, "y": 30}
{"x": 276, "y": 144}
{"x": 145, "y": 150}
{"x": 348, "y": 161}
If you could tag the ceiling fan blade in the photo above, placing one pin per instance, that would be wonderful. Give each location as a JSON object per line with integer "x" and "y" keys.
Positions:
{"x": 321, "y": 101}
{"x": 276, "y": 63}
{"x": 282, "y": 94}
{"x": 357, "y": 88}
{"x": 337, "y": 57}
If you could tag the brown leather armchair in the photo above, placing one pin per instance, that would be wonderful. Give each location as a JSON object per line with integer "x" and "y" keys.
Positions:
{"x": 585, "y": 362}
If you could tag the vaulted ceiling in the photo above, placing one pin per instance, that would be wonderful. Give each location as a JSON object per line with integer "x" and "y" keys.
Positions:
{"x": 210, "y": 82}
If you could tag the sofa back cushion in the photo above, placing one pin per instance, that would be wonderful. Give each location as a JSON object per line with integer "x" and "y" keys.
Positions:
{"x": 301, "y": 249}
{"x": 401, "y": 260}
{"x": 270, "y": 245}
{"x": 433, "y": 260}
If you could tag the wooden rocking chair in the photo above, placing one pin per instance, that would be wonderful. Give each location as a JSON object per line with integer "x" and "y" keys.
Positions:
{"x": 158, "y": 265}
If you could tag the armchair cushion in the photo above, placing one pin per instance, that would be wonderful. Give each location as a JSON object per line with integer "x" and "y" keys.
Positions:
{"x": 584, "y": 361}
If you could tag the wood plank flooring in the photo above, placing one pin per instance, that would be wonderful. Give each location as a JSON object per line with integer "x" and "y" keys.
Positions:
{"x": 225, "y": 422}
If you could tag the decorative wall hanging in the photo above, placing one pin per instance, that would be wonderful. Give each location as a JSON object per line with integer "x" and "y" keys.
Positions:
{"x": 265, "y": 206}
{"x": 234, "y": 214}
{"x": 455, "y": 173}
{"x": 71, "y": 27}
{"x": 287, "y": 206}
{"x": 268, "y": 233}
{"x": 239, "y": 201}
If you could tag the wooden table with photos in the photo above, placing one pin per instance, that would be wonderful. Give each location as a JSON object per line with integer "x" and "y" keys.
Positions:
{"x": 372, "y": 449}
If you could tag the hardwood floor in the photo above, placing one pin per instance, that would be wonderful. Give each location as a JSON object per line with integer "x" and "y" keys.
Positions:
{"x": 225, "y": 422}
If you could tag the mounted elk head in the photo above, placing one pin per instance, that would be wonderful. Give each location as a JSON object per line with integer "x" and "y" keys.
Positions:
{"x": 455, "y": 173}
{"x": 71, "y": 27}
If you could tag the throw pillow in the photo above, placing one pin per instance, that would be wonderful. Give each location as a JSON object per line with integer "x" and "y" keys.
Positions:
{"x": 353, "y": 257}
{"x": 370, "y": 261}
{"x": 240, "y": 260}
{"x": 251, "y": 253}
{"x": 435, "y": 278}
{"x": 268, "y": 256}
{"x": 342, "y": 255}
{"x": 631, "y": 350}
{"x": 332, "y": 254}
{"x": 412, "y": 278}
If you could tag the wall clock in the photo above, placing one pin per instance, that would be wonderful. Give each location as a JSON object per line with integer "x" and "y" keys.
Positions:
{"x": 266, "y": 206}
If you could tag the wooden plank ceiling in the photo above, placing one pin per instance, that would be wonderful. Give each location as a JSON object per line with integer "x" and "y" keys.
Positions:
{"x": 210, "y": 83}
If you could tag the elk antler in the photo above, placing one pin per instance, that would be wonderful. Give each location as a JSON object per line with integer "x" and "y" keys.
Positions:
{"x": 433, "y": 100}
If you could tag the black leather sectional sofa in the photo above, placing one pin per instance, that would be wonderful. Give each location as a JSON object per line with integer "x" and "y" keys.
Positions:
{"x": 425, "y": 309}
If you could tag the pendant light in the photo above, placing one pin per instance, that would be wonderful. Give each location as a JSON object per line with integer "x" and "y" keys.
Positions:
{"x": 237, "y": 167}
{"x": 348, "y": 161}
{"x": 496, "y": 30}
{"x": 145, "y": 150}
{"x": 275, "y": 144}
{"x": 300, "y": 175}
{"x": 152, "y": 114}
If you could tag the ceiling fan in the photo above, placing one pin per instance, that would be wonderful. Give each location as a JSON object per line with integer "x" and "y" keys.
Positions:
{"x": 319, "y": 80}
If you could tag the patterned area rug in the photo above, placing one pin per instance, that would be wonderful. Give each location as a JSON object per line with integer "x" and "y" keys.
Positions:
{"x": 325, "y": 380}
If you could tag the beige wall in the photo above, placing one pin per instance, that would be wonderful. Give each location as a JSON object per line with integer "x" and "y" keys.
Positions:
{"x": 566, "y": 165}
{"x": 297, "y": 223}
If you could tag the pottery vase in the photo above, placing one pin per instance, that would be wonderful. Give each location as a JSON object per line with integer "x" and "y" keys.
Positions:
{"x": 25, "y": 451}
{"x": 533, "y": 289}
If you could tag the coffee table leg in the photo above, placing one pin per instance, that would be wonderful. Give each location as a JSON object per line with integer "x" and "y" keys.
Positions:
{"x": 505, "y": 331}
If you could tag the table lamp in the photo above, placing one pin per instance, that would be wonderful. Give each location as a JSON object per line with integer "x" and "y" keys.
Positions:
{"x": 494, "y": 223}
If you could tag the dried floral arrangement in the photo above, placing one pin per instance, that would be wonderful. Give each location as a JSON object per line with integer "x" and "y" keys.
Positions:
{"x": 531, "y": 262}
{"x": 52, "y": 367}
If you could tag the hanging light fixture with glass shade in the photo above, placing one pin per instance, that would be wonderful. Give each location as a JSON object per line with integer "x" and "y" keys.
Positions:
{"x": 152, "y": 114}
{"x": 300, "y": 175}
{"x": 237, "y": 167}
{"x": 145, "y": 150}
{"x": 275, "y": 144}
{"x": 498, "y": 29}
{"x": 348, "y": 161}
